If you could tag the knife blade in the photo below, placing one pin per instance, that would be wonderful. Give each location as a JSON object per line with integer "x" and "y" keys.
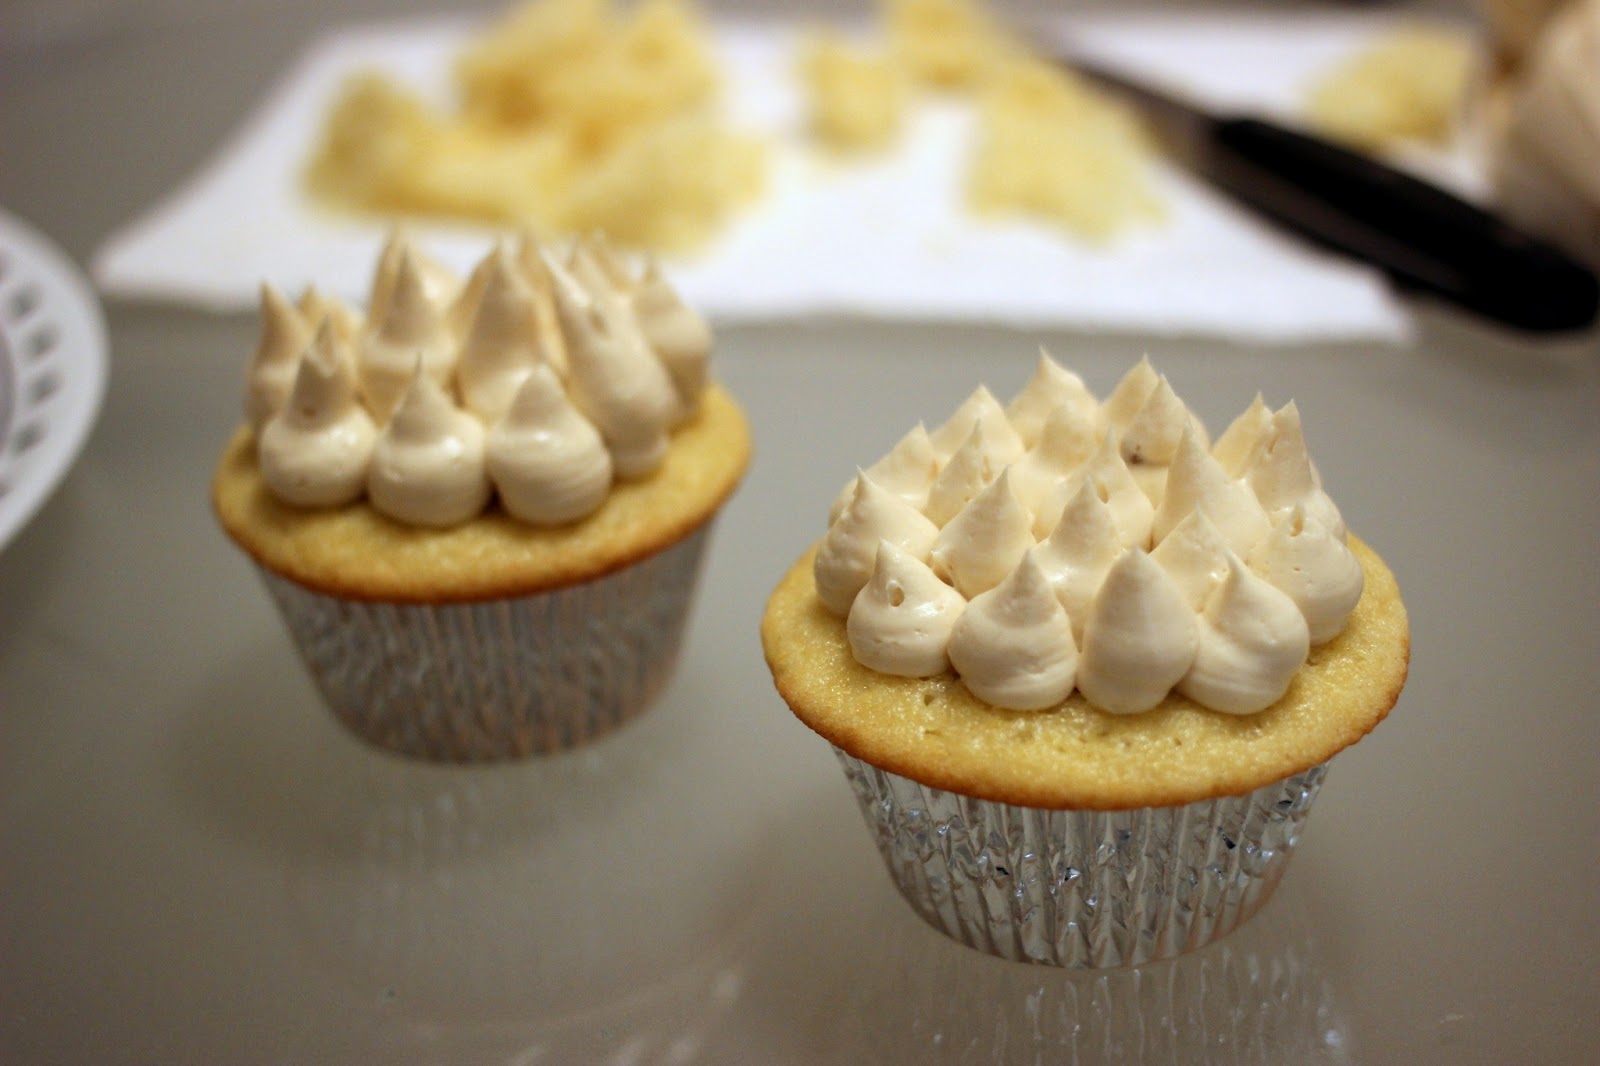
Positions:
{"x": 1418, "y": 234}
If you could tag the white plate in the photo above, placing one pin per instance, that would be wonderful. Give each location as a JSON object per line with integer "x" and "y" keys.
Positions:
{"x": 888, "y": 239}
{"x": 52, "y": 369}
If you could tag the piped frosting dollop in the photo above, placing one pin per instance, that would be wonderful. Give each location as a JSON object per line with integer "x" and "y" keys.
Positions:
{"x": 428, "y": 465}
{"x": 900, "y": 622}
{"x": 314, "y": 452}
{"x": 284, "y": 336}
{"x": 1013, "y": 644}
{"x": 545, "y": 459}
{"x": 1252, "y": 639}
{"x": 844, "y": 561}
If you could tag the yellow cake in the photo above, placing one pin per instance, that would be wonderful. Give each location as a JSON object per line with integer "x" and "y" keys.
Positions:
{"x": 1074, "y": 756}
{"x": 356, "y": 553}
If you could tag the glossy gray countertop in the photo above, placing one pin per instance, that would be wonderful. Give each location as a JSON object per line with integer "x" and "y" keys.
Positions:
{"x": 198, "y": 865}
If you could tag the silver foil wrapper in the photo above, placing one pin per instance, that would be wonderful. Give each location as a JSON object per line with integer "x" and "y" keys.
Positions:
{"x": 1082, "y": 888}
{"x": 497, "y": 679}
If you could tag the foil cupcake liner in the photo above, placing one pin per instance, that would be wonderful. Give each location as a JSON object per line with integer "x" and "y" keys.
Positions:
{"x": 497, "y": 679}
{"x": 1082, "y": 888}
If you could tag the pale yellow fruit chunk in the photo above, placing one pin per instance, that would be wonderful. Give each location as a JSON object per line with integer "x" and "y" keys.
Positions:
{"x": 1410, "y": 85}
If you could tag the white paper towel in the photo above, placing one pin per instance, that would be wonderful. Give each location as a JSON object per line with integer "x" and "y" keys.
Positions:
{"x": 887, "y": 238}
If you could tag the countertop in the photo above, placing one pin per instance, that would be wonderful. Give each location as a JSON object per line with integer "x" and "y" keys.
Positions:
{"x": 198, "y": 865}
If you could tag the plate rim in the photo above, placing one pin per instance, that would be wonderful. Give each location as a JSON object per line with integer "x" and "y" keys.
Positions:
{"x": 70, "y": 407}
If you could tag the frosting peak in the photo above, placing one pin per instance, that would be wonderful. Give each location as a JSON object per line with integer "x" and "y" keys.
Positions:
{"x": 1052, "y": 389}
{"x": 1195, "y": 479}
{"x": 1236, "y": 449}
{"x": 314, "y": 452}
{"x": 284, "y": 336}
{"x": 1305, "y": 559}
{"x": 908, "y": 471}
{"x": 411, "y": 330}
{"x": 676, "y": 332}
{"x": 1129, "y": 395}
{"x": 1252, "y": 640}
{"x": 1140, "y": 637}
{"x": 901, "y": 621}
{"x": 501, "y": 345}
{"x": 1013, "y": 645}
{"x": 616, "y": 382}
{"x": 1150, "y": 439}
{"x": 547, "y": 461}
{"x": 1079, "y": 551}
{"x": 844, "y": 561}
{"x": 980, "y": 407}
{"x": 428, "y": 464}
{"x": 1282, "y": 475}
{"x": 980, "y": 545}
{"x": 969, "y": 471}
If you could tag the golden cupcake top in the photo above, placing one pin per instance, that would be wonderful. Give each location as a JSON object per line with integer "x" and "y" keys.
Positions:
{"x": 545, "y": 421}
{"x": 1189, "y": 620}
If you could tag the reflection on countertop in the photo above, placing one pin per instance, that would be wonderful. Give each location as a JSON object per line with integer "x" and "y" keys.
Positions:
{"x": 1260, "y": 995}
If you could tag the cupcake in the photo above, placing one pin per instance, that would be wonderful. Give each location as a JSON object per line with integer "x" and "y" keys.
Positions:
{"x": 1085, "y": 668}
{"x": 481, "y": 506}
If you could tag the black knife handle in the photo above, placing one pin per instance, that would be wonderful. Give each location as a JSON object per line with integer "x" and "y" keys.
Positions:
{"x": 1419, "y": 234}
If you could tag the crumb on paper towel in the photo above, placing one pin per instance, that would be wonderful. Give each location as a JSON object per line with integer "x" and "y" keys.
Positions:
{"x": 1409, "y": 85}
{"x": 858, "y": 97}
{"x": 571, "y": 116}
{"x": 1049, "y": 147}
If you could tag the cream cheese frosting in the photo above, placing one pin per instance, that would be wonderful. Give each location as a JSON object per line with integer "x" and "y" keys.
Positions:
{"x": 615, "y": 380}
{"x": 980, "y": 407}
{"x": 1252, "y": 639}
{"x": 545, "y": 459}
{"x": 314, "y": 452}
{"x": 502, "y": 341}
{"x": 1140, "y": 637}
{"x": 1315, "y": 567}
{"x": 283, "y": 340}
{"x": 901, "y": 621}
{"x": 677, "y": 333}
{"x": 411, "y": 329}
{"x": 1079, "y": 551}
{"x": 1205, "y": 570}
{"x": 908, "y": 471}
{"x": 1013, "y": 644}
{"x": 979, "y": 546}
{"x": 428, "y": 465}
{"x": 521, "y": 386}
{"x": 844, "y": 561}
{"x": 1052, "y": 389}
{"x": 1150, "y": 439}
{"x": 970, "y": 469}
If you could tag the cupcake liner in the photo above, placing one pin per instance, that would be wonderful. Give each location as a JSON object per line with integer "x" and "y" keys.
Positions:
{"x": 497, "y": 679}
{"x": 1082, "y": 888}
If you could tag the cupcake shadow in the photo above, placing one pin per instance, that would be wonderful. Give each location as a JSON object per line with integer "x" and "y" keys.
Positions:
{"x": 1261, "y": 995}
{"x": 850, "y": 950}
{"x": 524, "y": 892}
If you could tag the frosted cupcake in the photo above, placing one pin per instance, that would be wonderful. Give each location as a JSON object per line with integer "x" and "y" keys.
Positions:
{"x": 1084, "y": 668}
{"x": 481, "y": 507}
